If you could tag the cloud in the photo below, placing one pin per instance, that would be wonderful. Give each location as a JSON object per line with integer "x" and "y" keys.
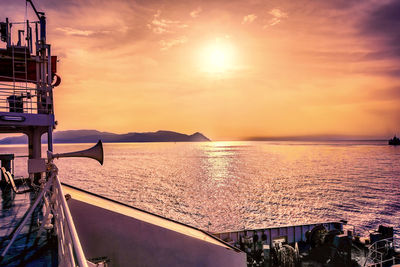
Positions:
{"x": 167, "y": 44}
{"x": 195, "y": 13}
{"x": 75, "y": 32}
{"x": 382, "y": 25}
{"x": 161, "y": 26}
{"x": 124, "y": 24}
{"x": 249, "y": 19}
{"x": 277, "y": 16}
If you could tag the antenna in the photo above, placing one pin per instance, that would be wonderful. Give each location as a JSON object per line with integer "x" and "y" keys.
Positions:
{"x": 38, "y": 14}
{"x": 42, "y": 20}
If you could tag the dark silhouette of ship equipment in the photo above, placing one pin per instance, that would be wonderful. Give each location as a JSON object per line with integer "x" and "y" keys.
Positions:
{"x": 395, "y": 141}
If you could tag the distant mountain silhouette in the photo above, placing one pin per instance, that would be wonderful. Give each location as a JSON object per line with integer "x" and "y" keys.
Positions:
{"x": 92, "y": 136}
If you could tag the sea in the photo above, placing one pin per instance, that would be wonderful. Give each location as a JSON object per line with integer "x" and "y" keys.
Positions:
{"x": 227, "y": 186}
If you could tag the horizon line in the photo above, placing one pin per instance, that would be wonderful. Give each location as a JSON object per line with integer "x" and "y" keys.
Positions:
{"x": 312, "y": 137}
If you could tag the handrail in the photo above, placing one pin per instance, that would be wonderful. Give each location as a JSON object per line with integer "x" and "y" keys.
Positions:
{"x": 70, "y": 252}
{"x": 375, "y": 257}
{"x": 380, "y": 264}
{"x": 65, "y": 227}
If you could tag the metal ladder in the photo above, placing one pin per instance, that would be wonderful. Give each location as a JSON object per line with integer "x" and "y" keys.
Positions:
{"x": 20, "y": 68}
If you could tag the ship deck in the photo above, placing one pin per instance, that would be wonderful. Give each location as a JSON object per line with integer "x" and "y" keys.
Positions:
{"x": 128, "y": 236}
{"x": 28, "y": 249}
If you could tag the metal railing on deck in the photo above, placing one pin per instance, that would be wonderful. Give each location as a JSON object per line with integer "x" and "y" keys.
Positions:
{"x": 19, "y": 98}
{"x": 70, "y": 251}
{"x": 377, "y": 253}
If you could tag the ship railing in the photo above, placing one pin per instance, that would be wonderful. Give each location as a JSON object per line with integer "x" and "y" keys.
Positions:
{"x": 21, "y": 98}
{"x": 377, "y": 252}
{"x": 70, "y": 252}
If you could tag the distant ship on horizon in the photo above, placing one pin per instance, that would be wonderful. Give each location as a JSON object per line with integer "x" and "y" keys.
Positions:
{"x": 395, "y": 141}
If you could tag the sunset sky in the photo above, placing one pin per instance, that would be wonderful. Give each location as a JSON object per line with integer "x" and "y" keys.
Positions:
{"x": 229, "y": 69}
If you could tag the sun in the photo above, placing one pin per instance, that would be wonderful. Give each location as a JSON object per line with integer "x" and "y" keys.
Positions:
{"x": 217, "y": 56}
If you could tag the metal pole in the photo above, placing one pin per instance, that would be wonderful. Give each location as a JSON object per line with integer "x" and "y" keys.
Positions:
{"x": 50, "y": 139}
{"x": 8, "y": 33}
{"x": 48, "y": 66}
{"x": 36, "y": 38}
{"x": 35, "y": 148}
{"x": 42, "y": 20}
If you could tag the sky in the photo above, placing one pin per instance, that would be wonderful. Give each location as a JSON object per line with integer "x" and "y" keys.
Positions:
{"x": 229, "y": 69}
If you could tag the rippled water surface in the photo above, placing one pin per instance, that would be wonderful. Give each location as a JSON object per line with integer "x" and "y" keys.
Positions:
{"x": 224, "y": 186}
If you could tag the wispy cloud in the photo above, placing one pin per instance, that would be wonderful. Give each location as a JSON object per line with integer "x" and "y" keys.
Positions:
{"x": 167, "y": 44}
{"x": 249, "y": 19}
{"x": 195, "y": 13}
{"x": 75, "y": 32}
{"x": 159, "y": 25}
{"x": 277, "y": 16}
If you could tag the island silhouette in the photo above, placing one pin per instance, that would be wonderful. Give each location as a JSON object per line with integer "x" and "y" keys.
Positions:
{"x": 92, "y": 136}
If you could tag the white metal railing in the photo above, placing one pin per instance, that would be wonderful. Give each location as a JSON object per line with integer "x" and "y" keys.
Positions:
{"x": 70, "y": 251}
{"x": 19, "y": 98}
{"x": 377, "y": 257}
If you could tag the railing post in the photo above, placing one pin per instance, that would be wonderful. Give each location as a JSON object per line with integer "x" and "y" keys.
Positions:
{"x": 70, "y": 237}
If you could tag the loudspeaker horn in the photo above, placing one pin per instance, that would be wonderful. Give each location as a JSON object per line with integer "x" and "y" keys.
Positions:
{"x": 95, "y": 152}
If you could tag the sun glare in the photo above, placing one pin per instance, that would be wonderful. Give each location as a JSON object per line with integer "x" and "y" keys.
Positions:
{"x": 217, "y": 57}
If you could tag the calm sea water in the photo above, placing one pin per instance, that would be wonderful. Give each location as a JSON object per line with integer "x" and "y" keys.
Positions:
{"x": 224, "y": 186}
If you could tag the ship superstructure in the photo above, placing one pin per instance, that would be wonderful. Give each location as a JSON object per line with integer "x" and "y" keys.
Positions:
{"x": 27, "y": 77}
{"x": 33, "y": 208}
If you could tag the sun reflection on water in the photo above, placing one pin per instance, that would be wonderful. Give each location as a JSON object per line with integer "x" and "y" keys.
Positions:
{"x": 233, "y": 185}
{"x": 218, "y": 160}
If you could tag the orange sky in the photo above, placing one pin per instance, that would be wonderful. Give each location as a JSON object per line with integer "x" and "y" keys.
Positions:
{"x": 229, "y": 69}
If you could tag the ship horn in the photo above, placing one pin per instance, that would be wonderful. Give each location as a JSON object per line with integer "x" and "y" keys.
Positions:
{"x": 95, "y": 152}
